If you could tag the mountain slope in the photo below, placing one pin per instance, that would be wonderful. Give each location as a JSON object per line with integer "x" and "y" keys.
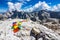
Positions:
{"x": 9, "y": 35}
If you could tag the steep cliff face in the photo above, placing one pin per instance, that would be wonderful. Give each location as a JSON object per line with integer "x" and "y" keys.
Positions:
{"x": 42, "y": 14}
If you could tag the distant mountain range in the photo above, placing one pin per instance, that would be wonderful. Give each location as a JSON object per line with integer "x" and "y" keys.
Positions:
{"x": 24, "y": 15}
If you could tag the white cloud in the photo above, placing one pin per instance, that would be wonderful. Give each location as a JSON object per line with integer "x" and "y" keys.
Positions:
{"x": 11, "y": 6}
{"x": 40, "y": 5}
{"x": 18, "y": 6}
{"x": 56, "y": 7}
{"x": 37, "y": 4}
{"x": 44, "y": 6}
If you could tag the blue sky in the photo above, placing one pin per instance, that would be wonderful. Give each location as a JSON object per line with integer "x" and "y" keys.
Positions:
{"x": 26, "y": 3}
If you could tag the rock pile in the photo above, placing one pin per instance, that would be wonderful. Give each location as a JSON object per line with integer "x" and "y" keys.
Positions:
{"x": 30, "y": 31}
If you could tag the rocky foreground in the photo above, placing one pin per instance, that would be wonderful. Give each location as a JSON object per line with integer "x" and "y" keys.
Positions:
{"x": 25, "y": 33}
